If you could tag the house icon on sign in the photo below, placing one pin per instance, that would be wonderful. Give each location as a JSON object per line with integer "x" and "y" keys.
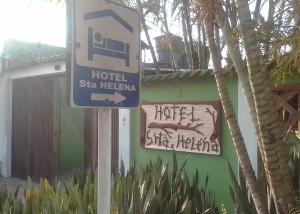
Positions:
{"x": 99, "y": 45}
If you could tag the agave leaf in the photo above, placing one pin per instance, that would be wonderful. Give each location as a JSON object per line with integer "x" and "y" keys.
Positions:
{"x": 209, "y": 210}
{"x": 175, "y": 164}
{"x": 16, "y": 193}
{"x": 186, "y": 207}
{"x": 241, "y": 195}
{"x": 206, "y": 181}
{"x": 232, "y": 195}
{"x": 122, "y": 169}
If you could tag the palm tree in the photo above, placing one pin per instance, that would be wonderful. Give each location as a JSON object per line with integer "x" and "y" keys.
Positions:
{"x": 268, "y": 120}
{"x": 230, "y": 117}
{"x": 145, "y": 28}
{"x": 183, "y": 7}
{"x": 186, "y": 43}
{"x": 163, "y": 17}
{"x": 243, "y": 77}
{"x": 186, "y": 16}
{"x": 257, "y": 88}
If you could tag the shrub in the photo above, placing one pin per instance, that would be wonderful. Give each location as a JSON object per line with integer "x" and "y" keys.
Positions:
{"x": 156, "y": 189}
{"x": 150, "y": 190}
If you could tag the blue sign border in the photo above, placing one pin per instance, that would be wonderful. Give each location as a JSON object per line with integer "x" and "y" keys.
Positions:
{"x": 81, "y": 97}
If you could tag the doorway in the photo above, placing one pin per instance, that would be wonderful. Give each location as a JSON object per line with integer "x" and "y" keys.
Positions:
{"x": 35, "y": 127}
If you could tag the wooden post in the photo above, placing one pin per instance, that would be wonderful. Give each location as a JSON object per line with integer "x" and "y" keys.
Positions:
{"x": 104, "y": 161}
{"x": 298, "y": 109}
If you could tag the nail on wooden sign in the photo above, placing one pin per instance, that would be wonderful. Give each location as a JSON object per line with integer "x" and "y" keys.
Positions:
{"x": 185, "y": 127}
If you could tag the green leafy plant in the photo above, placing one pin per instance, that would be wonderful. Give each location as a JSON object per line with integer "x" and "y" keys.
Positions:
{"x": 45, "y": 199}
{"x": 75, "y": 196}
{"x": 239, "y": 192}
{"x": 150, "y": 190}
{"x": 285, "y": 52}
{"x": 243, "y": 203}
{"x": 157, "y": 189}
{"x": 9, "y": 202}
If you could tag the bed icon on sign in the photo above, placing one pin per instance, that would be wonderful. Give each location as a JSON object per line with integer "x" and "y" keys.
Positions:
{"x": 100, "y": 45}
{"x": 97, "y": 44}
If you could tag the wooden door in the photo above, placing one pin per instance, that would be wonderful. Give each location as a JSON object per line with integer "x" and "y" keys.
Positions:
{"x": 20, "y": 134}
{"x": 35, "y": 128}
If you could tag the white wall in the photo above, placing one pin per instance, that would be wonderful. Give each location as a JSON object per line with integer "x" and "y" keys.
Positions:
{"x": 5, "y": 125}
{"x": 247, "y": 127}
{"x": 124, "y": 137}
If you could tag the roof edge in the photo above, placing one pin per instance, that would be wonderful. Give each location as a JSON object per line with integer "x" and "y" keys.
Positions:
{"x": 183, "y": 75}
{"x": 14, "y": 65}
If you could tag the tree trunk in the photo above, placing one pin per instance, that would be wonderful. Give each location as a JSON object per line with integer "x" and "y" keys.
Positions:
{"x": 296, "y": 6}
{"x": 240, "y": 66}
{"x": 186, "y": 45}
{"x": 230, "y": 117}
{"x": 269, "y": 30}
{"x": 241, "y": 69}
{"x": 185, "y": 4}
{"x": 144, "y": 26}
{"x": 170, "y": 40}
{"x": 233, "y": 14}
{"x": 155, "y": 62}
{"x": 217, "y": 37}
{"x": 274, "y": 151}
{"x": 200, "y": 56}
{"x": 257, "y": 10}
{"x": 205, "y": 51}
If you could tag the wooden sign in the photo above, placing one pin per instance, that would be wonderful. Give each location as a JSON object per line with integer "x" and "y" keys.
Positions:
{"x": 186, "y": 127}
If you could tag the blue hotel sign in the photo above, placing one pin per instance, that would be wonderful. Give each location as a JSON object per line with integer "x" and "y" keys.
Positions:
{"x": 105, "y": 62}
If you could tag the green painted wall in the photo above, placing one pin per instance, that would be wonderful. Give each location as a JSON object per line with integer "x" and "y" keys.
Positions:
{"x": 203, "y": 89}
{"x": 291, "y": 80}
{"x": 72, "y": 133}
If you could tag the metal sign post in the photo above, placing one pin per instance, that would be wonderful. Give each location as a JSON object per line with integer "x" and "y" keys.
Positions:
{"x": 104, "y": 161}
{"x": 104, "y": 66}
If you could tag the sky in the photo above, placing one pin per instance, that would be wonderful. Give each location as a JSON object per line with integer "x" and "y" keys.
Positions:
{"x": 41, "y": 21}
{"x": 33, "y": 21}
{"x": 44, "y": 22}
{"x": 36, "y": 21}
